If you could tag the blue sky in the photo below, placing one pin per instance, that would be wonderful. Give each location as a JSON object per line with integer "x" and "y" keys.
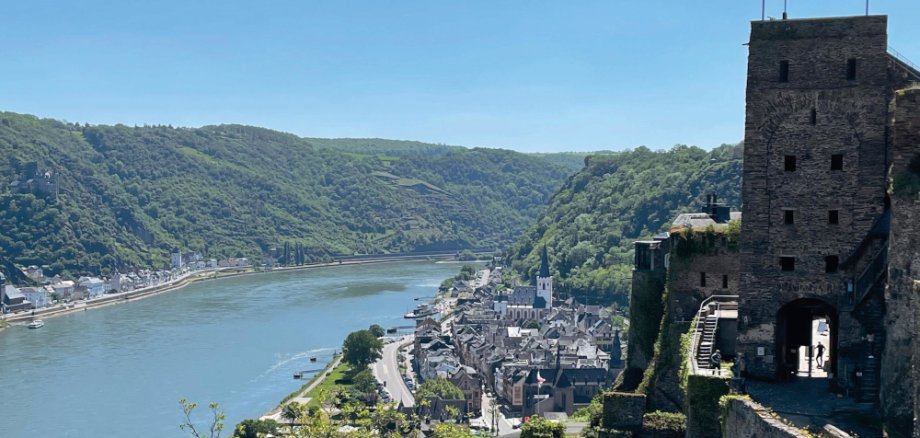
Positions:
{"x": 524, "y": 75}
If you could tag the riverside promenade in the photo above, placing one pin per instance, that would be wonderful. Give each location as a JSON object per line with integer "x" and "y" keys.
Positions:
{"x": 301, "y": 397}
{"x": 206, "y": 274}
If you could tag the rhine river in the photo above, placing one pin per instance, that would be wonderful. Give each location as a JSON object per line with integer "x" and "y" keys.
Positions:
{"x": 119, "y": 371}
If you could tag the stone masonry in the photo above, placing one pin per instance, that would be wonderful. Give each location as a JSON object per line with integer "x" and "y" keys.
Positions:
{"x": 897, "y": 396}
{"x": 814, "y": 183}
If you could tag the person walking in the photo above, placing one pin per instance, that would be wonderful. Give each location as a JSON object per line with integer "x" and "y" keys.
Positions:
{"x": 820, "y": 355}
{"x": 716, "y": 361}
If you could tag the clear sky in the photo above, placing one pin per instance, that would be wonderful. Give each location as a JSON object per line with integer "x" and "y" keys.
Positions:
{"x": 525, "y": 75}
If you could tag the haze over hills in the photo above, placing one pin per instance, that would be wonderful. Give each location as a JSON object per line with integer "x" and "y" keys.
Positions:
{"x": 617, "y": 198}
{"x": 94, "y": 198}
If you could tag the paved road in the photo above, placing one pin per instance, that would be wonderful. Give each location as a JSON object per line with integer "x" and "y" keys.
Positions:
{"x": 483, "y": 278}
{"x": 387, "y": 370}
{"x": 504, "y": 424}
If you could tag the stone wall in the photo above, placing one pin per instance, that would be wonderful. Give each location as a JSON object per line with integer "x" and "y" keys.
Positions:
{"x": 814, "y": 115}
{"x": 897, "y": 393}
{"x": 645, "y": 310}
{"x": 663, "y": 386}
{"x": 703, "y": 394}
{"x": 693, "y": 253}
{"x": 623, "y": 411}
{"x": 744, "y": 418}
{"x": 713, "y": 256}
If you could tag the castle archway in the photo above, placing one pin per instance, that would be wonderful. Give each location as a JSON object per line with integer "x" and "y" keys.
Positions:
{"x": 801, "y": 325}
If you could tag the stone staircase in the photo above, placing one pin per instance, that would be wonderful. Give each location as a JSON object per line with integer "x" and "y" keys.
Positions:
{"x": 872, "y": 314}
{"x": 706, "y": 325}
{"x": 704, "y": 339}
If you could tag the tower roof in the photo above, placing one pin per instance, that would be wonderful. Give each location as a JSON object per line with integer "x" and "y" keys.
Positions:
{"x": 544, "y": 264}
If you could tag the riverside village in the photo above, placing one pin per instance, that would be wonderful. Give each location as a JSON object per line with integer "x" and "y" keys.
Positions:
{"x": 795, "y": 315}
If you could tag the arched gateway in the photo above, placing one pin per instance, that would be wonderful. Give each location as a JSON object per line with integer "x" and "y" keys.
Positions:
{"x": 801, "y": 325}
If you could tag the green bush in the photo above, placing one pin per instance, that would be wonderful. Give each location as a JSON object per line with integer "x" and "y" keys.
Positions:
{"x": 685, "y": 340}
{"x": 439, "y": 387}
{"x": 664, "y": 421}
{"x": 539, "y": 427}
{"x": 702, "y": 400}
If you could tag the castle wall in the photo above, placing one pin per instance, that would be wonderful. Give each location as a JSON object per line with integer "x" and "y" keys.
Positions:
{"x": 693, "y": 253}
{"x": 745, "y": 418}
{"x": 712, "y": 256}
{"x": 897, "y": 393}
{"x": 849, "y": 119}
{"x": 645, "y": 310}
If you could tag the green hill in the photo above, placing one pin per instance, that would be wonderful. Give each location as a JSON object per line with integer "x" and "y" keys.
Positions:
{"x": 592, "y": 221}
{"x": 92, "y": 198}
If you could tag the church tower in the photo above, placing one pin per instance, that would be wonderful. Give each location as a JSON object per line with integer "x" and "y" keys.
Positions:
{"x": 545, "y": 280}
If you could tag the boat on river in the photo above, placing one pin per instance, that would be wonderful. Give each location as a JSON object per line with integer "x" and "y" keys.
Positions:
{"x": 421, "y": 311}
{"x": 36, "y": 324}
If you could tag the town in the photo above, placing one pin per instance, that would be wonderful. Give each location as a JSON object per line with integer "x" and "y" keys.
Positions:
{"x": 53, "y": 295}
{"x": 519, "y": 349}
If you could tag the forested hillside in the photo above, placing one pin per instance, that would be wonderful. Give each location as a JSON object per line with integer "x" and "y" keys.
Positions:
{"x": 573, "y": 161}
{"x": 93, "y": 198}
{"x": 592, "y": 221}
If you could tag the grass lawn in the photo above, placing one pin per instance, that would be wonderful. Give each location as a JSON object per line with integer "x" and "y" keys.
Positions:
{"x": 328, "y": 384}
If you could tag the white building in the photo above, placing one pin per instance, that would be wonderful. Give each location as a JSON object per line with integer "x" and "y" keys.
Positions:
{"x": 64, "y": 289}
{"x": 39, "y": 296}
{"x": 94, "y": 286}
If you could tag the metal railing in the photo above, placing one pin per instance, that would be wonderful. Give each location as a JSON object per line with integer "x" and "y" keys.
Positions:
{"x": 699, "y": 329}
{"x": 880, "y": 227}
{"x": 869, "y": 276}
{"x": 903, "y": 59}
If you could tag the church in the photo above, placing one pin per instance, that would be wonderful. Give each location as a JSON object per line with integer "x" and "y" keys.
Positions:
{"x": 528, "y": 302}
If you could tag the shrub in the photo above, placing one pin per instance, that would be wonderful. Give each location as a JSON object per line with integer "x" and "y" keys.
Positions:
{"x": 665, "y": 421}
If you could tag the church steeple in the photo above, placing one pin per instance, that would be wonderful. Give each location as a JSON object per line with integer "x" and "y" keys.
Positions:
{"x": 545, "y": 280}
{"x": 544, "y": 264}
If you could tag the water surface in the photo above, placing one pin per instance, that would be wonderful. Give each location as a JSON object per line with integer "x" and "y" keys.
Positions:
{"x": 119, "y": 371}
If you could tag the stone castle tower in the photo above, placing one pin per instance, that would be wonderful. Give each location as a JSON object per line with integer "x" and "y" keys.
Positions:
{"x": 545, "y": 280}
{"x": 817, "y": 214}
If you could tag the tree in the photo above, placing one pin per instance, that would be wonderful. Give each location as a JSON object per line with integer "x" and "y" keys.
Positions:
{"x": 377, "y": 330}
{"x": 539, "y": 427}
{"x": 255, "y": 428}
{"x": 292, "y": 411}
{"x": 390, "y": 421}
{"x": 448, "y": 430}
{"x": 364, "y": 381}
{"x": 439, "y": 387}
{"x": 361, "y": 348}
{"x": 217, "y": 420}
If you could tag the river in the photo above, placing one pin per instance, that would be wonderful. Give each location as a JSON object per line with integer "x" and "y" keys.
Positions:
{"x": 119, "y": 371}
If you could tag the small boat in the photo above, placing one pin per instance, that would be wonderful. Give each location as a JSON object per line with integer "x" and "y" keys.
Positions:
{"x": 36, "y": 324}
{"x": 312, "y": 358}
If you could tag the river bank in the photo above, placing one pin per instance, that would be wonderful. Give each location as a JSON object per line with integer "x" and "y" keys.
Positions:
{"x": 187, "y": 279}
{"x": 237, "y": 341}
